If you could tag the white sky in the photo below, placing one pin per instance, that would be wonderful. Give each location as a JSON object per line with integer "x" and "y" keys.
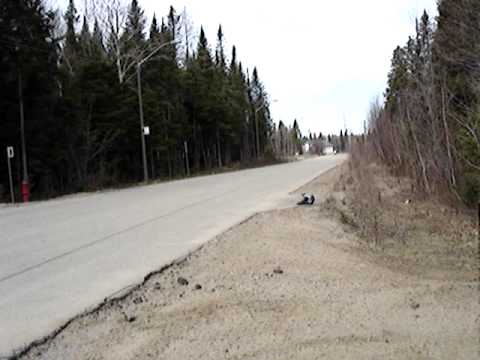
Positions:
{"x": 323, "y": 60}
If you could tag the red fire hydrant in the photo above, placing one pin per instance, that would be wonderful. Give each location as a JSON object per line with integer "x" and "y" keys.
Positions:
{"x": 25, "y": 191}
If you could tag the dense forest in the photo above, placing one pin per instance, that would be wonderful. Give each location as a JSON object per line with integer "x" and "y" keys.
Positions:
{"x": 428, "y": 127}
{"x": 69, "y": 101}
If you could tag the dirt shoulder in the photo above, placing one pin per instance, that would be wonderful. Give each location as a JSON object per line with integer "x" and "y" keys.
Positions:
{"x": 287, "y": 284}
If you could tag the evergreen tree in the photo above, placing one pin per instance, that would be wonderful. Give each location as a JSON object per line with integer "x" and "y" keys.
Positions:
{"x": 135, "y": 26}
{"x": 297, "y": 137}
{"x": 28, "y": 61}
{"x": 456, "y": 54}
{"x": 261, "y": 109}
{"x": 429, "y": 126}
{"x": 81, "y": 113}
{"x": 204, "y": 56}
{"x": 70, "y": 47}
{"x": 154, "y": 29}
{"x": 221, "y": 62}
{"x": 173, "y": 23}
{"x": 85, "y": 39}
{"x": 98, "y": 48}
{"x": 71, "y": 20}
{"x": 342, "y": 142}
{"x": 397, "y": 78}
{"x": 237, "y": 145}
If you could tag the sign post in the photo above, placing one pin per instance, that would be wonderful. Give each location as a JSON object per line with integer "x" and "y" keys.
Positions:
{"x": 10, "y": 155}
{"x": 187, "y": 164}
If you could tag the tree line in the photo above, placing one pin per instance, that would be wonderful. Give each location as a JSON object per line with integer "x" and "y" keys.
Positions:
{"x": 74, "y": 81}
{"x": 428, "y": 126}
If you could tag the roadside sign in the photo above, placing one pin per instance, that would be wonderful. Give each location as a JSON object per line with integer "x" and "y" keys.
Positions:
{"x": 10, "y": 152}
{"x": 146, "y": 130}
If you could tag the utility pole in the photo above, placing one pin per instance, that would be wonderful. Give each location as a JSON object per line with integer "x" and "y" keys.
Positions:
{"x": 142, "y": 126}
{"x": 257, "y": 135}
{"x": 25, "y": 181}
{"x": 187, "y": 163}
{"x": 10, "y": 155}
{"x": 140, "y": 105}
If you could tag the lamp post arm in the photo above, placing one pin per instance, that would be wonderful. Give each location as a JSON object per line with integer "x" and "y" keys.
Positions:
{"x": 149, "y": 56}
{"x": 261, "y": 107}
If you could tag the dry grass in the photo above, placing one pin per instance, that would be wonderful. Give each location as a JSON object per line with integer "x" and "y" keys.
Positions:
{"x": 421, "y": 234}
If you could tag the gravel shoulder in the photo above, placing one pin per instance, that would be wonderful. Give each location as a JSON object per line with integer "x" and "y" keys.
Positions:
{"x": 288, "y": 284}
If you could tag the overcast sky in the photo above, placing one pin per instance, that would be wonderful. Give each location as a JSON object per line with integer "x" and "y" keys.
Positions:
{"x": 323, "y": 60}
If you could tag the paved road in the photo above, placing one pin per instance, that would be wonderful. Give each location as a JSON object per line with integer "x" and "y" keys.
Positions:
{"x": 60, "y": 257}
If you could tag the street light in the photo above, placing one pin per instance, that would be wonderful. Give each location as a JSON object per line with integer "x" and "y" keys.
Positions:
{"x": 257, "y": 136}
{"x": 140, "y": 104}
{"x": 25, "y": 189}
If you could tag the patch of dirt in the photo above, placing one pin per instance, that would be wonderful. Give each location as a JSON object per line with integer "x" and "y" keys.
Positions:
{"x": 289, "y": 284}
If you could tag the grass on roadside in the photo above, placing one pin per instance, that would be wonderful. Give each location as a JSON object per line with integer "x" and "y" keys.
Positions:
{"x": 421, "y": 232}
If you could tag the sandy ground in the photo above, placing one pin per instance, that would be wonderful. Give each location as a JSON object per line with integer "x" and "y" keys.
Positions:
{"x": 287, "y": 284}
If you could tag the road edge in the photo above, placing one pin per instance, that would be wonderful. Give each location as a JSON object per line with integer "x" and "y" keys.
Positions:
{"x": 119, "y": 295}
{"x": 123, "y": 293}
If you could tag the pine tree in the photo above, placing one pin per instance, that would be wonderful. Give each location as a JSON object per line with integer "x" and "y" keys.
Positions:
{"x": 81, "y": 113}
{"x": 154, "y": 29}
{"x": 71, "y": 46}
{"x": 221, "y": 61}
{"x": 204, "y": 56}
{"x": 456, "y": 53}
{"x": 135, "y": 25}
{"x": 233, "y": 62}
{"x": 346, "y": 138}
{"x": 98, "y": 48}
{"x": 261, "y": 109}
{"x": 29, "y": 61}
{"x": 297, "y": 137}
{"x": 342, "y": 142}
{"x": 173, "y": 23}
{"x": 71, "y": 20}
{"x": 206, "y": 101}
{"x": 163, "y": 105}
{"x": 223, "y": 123}
{"x": 397, "y": 78}
{"x": 85, "y": 39}
{"x": 237, "y": 145}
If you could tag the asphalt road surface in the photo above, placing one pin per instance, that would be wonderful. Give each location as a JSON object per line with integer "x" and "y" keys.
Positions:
{"x": 61, "y": 257}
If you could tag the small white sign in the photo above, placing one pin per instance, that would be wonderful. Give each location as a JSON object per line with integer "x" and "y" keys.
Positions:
{"x": 146, "y": 130}
{"x": 10, "y": 152}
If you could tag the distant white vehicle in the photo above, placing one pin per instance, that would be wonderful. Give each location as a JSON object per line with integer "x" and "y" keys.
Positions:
{"x": 328, "y": 150}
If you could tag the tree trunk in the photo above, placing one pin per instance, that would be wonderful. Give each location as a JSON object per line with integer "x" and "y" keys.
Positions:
{"x": 197, "y": 148}
{"x": 219, "y": 151}
{"x": 228, "y": 153}
{"x": 205, "y": 158}
{"x": 451, "y": 169}
{"x": 419, "y": 154}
